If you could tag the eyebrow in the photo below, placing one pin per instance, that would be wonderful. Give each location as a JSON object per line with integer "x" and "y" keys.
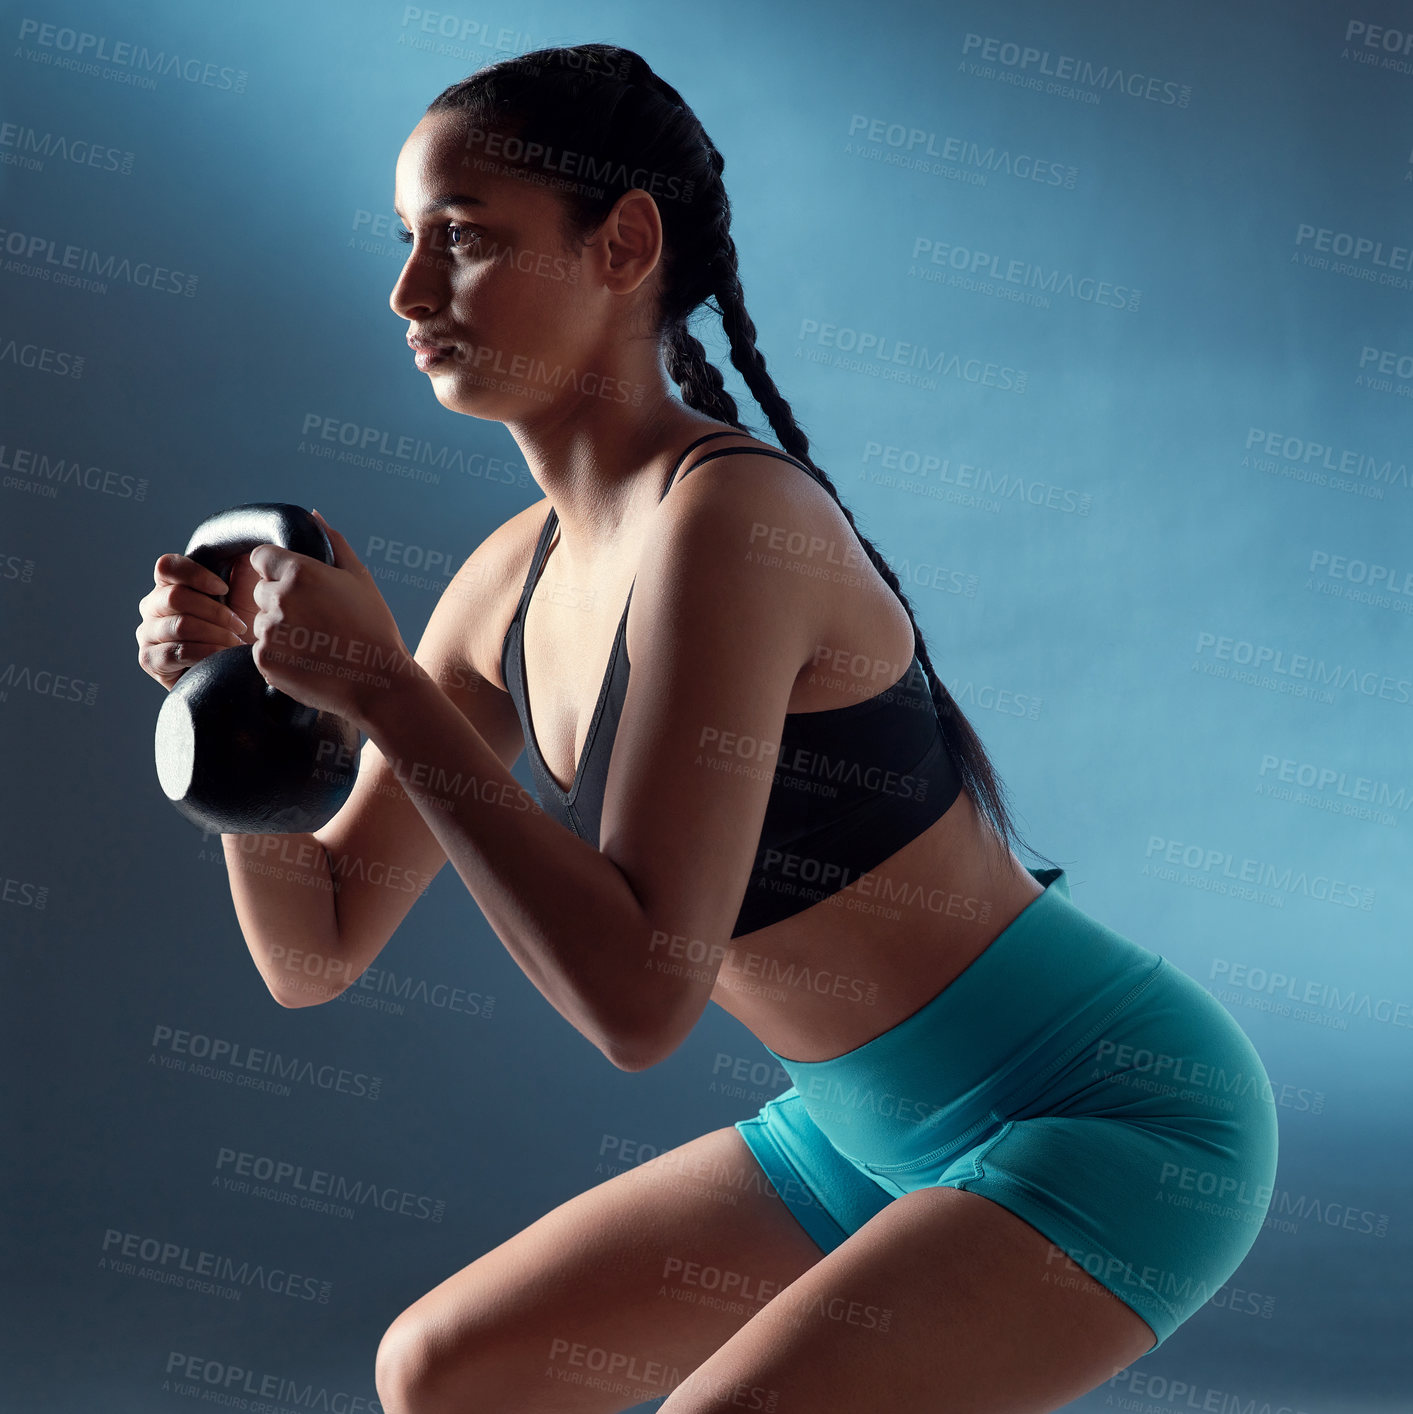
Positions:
{"x": 440, "y": 203}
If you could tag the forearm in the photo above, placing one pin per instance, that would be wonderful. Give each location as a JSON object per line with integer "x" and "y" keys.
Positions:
{"x": 283, "y": 894}
{"x": 563, "y": 910}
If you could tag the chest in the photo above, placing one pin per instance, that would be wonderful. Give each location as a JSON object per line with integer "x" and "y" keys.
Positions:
{"x": 573, "y": 650}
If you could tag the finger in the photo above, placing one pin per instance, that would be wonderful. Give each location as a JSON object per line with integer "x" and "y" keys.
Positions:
{"x": 274, "y": 561}
{"x": 182, "y": 599}
{"x": 344, "y": 556}
{"x": 182, "y": 569}
{"x": 185, "y": 628}
{"x": 172, "y": 659}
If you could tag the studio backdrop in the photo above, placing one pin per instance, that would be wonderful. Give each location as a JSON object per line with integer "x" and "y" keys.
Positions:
{"x": 1100, "y": 316}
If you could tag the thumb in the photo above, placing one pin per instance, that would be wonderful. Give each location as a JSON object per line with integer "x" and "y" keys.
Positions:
{"x": 344, "y": 557}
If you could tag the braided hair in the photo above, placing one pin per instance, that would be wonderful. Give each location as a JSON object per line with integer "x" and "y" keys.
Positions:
{"x": 592, "y": 121}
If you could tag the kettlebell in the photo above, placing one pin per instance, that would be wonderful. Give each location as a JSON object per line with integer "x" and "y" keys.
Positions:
{"x": 235, "y": 755}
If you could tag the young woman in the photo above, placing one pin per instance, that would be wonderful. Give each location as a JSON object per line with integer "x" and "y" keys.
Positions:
{"x": 1019, "y": 1149}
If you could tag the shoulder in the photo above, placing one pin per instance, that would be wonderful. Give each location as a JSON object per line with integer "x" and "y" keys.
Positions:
{"x": 756, "y": 518}
{"x": 469, "y": 623}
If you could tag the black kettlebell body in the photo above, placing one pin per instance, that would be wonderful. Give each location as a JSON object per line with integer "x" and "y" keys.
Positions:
{"x": 237, "y": 756}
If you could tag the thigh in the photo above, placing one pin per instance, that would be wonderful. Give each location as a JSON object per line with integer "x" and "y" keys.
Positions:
{"x": 942, "y": 1301}
{"x": 609, "y": 1299}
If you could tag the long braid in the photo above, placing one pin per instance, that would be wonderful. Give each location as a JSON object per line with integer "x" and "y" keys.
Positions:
{"x": 699, "y": 379}
{"x": 978, "y": 780}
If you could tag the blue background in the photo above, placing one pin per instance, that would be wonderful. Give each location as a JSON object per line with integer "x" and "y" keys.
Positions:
{"x": 1152, "y": 516}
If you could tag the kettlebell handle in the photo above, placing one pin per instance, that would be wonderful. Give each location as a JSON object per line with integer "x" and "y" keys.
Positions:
{"x": 222, "y": 538}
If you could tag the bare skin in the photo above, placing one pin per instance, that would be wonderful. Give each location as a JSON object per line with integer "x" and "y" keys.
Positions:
{"x": 980, "y": 1319}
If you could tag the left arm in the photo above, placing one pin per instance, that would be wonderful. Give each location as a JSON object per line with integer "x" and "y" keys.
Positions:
{"x": 721, "y": 640}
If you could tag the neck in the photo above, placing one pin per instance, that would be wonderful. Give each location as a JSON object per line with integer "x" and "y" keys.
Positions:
{"x": 603, "y": 463}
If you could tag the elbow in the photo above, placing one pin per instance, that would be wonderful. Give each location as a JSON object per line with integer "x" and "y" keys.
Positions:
{"x": 634, "y": 1046}
{"x": 643, "y": 1042}
{"x": 628, "y": 1054}
{"x": 301, "y": 992}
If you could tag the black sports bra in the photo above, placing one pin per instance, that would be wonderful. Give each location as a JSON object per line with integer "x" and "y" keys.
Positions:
{"x": 852, "y": 784}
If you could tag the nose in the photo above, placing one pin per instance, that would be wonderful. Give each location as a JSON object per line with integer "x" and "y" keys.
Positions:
{"x": 419, "y": 290}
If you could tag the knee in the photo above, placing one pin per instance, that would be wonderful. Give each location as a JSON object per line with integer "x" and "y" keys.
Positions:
{"x": 428, "y": 1365}
{"x": 410, "y": 1375}
{"x": 401, "y": 1368}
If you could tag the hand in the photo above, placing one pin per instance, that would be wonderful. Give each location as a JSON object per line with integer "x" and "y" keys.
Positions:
{"x": 182, "y": 623}
{"x": 324, "y": 635}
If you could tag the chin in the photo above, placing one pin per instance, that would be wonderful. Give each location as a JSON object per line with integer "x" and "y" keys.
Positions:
{"x": 465, "y": 395}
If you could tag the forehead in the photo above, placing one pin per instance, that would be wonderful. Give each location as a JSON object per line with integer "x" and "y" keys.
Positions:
{"x": 443, "y": 156}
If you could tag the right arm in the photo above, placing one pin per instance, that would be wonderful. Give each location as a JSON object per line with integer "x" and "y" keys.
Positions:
{"x": 317, "y": 907}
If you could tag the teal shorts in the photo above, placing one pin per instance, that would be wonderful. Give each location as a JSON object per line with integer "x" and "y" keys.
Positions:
{"x": 1075, "y": 1078}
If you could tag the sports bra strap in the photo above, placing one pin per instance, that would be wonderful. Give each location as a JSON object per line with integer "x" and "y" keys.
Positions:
{"x": 728, "y": 451}
{"x": 686, "y": 452}
{"x": 542, "y": 545}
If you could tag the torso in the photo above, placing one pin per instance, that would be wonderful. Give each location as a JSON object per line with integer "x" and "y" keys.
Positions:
{"x": 831, "y": 977}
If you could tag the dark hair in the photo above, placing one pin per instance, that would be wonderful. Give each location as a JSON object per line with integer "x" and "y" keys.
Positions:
{"x": 591, "y": 121}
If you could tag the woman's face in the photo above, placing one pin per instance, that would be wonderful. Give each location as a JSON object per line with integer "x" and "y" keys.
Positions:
{"x": 520, "y": 318}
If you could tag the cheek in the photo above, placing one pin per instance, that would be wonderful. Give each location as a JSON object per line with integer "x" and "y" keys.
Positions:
{"x": 528, "y": 312}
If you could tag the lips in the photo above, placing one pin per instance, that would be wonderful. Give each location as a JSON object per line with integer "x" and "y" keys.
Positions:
{"x": 427, "y": 346}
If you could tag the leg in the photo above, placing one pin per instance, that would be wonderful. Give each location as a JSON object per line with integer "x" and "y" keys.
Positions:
{"x": 944, "y": 1303}
{"x": 608, "y": 1300}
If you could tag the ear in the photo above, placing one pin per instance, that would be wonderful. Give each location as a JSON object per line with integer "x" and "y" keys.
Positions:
{"x": 632, "y": 236}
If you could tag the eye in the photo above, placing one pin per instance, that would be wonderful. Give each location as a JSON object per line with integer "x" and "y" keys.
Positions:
{"x": 451, "y": 228}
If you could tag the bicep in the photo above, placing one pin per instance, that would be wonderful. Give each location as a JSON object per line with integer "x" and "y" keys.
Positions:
{"x": 382, "y": 853}
{"x": 719, "y": 641}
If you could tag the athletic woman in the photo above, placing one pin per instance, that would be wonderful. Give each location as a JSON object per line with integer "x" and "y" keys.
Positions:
{"x": 1019, "y": 1149}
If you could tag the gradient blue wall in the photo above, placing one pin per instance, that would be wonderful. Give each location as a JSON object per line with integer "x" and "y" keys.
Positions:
{"x": 1161, "y": 553}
